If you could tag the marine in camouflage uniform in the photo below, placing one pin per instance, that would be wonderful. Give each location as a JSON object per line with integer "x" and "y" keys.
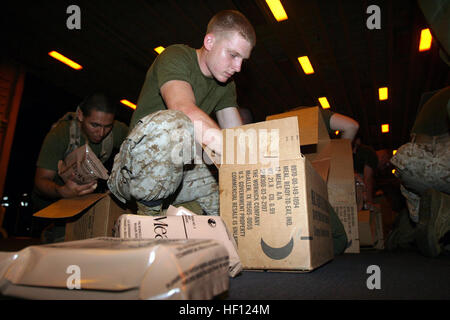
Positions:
{"x": 155, "y": 162}
{"x": 94, "y": 119}
{"x": 424, "y": 162}
{"x": 423, "y": 166}
{"x": 66, "y": 135}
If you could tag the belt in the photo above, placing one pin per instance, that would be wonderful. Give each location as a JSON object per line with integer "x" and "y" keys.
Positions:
{"x": 153, "y": 203}
{"x": 424, "y": 138}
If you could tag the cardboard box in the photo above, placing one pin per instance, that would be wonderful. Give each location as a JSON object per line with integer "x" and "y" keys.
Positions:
{"x": 274, "y": 204}
{"x": 388, "y": 215}
{"x": 367, "y": 228}
{"x": 370, "y": 227}
{"x": 380, "y": 230}
{"x": 342, "y": 192}
{"x": 184, "y": 226}
{"x": 89, "y": 216}
{"x": 333, "y": 160}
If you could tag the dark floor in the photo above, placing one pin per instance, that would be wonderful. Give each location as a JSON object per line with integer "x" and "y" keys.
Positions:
{"x": 404, "y": 275}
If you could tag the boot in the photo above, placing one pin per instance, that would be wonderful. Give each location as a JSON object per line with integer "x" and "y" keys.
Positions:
{"x": 434, "y": 222}
{"x": 403, "y": 233}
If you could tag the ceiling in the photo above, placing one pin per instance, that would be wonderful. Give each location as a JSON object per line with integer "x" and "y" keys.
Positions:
{"x": 116, "y": 40}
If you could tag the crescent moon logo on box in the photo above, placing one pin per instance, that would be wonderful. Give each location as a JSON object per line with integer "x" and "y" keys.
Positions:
{"x": 277, "y": 253}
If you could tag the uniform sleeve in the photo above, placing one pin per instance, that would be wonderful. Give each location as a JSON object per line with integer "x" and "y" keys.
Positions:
{"x": 54, "y": 147}
{"x": 432, "y": 118}
{"x": 172, "y": 64}
{"x": 229, "y": 98}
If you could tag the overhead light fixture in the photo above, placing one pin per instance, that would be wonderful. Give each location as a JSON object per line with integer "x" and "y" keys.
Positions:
{"x": 324, "y": 103}
{"x": 385, "y": 128}
{"x": 383, "y": 93}
{"x": 58, "y": 56}
{"x": 159, "y": 49}
{"x": 277, "y": 10}
{"x": 394, "y": 152}
{"x": 306, "y": 65}
{"x": 128, "y": 104}
{"x": 425, "y": 40}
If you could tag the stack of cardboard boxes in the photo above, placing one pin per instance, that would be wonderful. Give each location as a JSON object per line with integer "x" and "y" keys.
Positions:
{"x": 275, "y": 180}
{"x": 333, "y": 159}
{"x": 272, "y": 199}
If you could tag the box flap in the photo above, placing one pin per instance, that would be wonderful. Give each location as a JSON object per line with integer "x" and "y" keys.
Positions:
{"x": 322, "y": 155}
{"x": 321, "y": 161}
{"x": 341, "y": 161}
{"x": 322, "y": 167}
{"x": 261, "y": 143}
{"x": 66, "y": 208}
{"x": 310, "y": 123}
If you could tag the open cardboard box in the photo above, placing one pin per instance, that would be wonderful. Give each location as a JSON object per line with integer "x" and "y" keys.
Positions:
{"x": 89, "y": 216}
{"x": 272, "y": 199}
{"x": 333, "y": 160}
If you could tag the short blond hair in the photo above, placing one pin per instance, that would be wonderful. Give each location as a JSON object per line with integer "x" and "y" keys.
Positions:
{"x": 232, "y": 20}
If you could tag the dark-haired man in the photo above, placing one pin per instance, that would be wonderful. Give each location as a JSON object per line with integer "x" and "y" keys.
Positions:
{"x": 92, "y": 123}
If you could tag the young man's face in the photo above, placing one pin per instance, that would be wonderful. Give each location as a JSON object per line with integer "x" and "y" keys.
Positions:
{"x": 226, "y": 52}
{"x": 97, "y": 125}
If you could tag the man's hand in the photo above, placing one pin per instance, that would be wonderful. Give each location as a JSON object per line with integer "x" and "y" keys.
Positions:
{"x": 46, "y": 187}
{"x": 212, "y": 139}
{"x": 178, "y": 95}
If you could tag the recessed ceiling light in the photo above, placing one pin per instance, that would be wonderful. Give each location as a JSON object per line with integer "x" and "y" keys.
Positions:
{"x": 58, "y": 56}
{"x": 324, "y": 103}
{"x": 383, "y": 93}
{"x": 306, "y": 65}
{"x": 159, "y": 49}
{"x": 425, "y": 40}
{"x": 277, "y": 10}
{"x": 128, "y": 103}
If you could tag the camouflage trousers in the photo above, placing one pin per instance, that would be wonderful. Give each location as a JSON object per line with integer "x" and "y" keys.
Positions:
{"x": 155, "y": 162}
{"x": 422, "y": 166}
